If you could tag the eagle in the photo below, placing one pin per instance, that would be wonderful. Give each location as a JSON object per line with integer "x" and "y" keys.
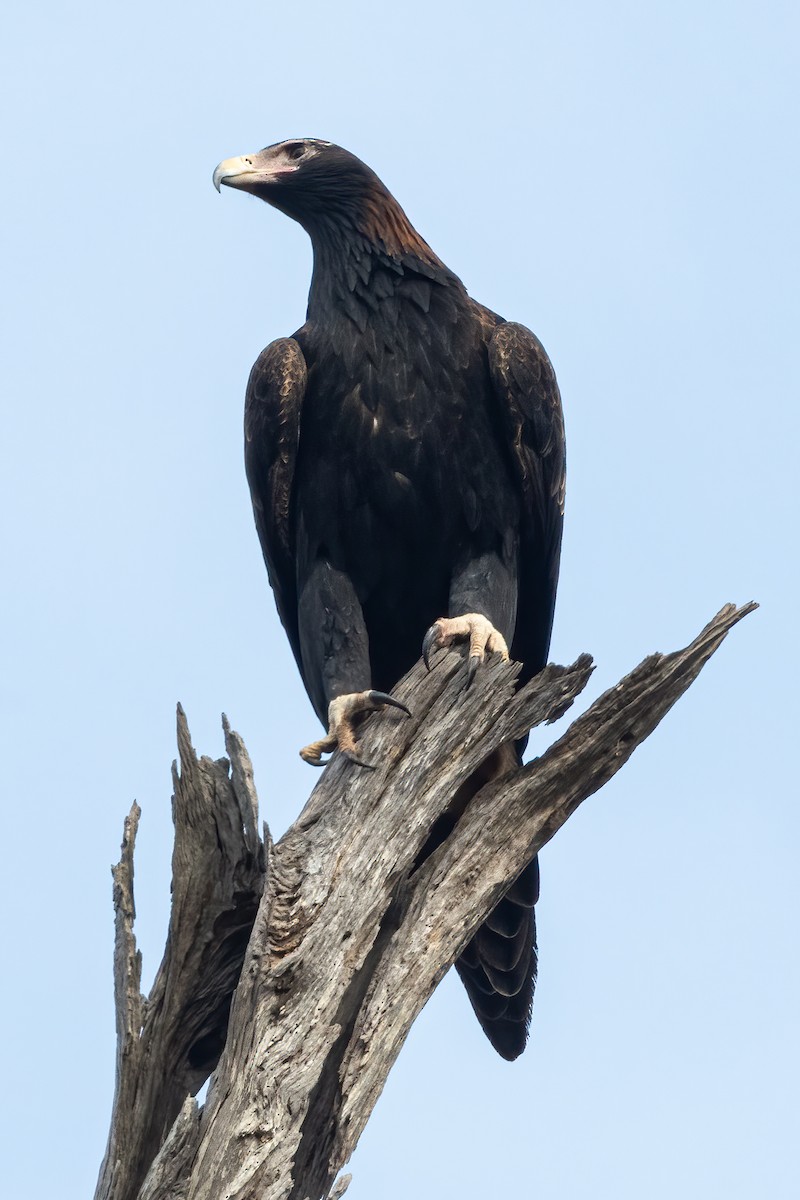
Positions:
{"x": 405, "y": 456}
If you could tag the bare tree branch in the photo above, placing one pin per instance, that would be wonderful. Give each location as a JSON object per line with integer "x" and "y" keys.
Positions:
{"x": 355, "y": 927}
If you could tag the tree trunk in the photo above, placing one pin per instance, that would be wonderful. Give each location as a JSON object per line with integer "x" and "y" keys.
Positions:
{"x": 294, "y": 972}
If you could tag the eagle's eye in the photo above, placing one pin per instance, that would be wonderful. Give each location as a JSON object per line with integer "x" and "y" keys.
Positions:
{"x": 295, "y": 152}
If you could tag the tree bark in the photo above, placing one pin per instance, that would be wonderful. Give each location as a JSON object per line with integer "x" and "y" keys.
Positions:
{"x": 294, "y": 972}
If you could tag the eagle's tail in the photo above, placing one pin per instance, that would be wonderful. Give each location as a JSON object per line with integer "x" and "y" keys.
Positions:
{"x": 498, "y": 967}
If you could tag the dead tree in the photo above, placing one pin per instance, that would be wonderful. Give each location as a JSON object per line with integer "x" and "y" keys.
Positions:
{"x": 294, "y": 971}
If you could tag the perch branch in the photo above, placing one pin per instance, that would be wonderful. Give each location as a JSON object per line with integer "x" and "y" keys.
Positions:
{"x": 355, "y": 927}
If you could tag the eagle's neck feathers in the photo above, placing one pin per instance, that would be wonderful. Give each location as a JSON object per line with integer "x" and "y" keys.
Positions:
{"x": 367, "y": 255}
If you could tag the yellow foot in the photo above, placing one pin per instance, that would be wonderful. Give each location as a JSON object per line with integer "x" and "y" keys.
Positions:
{"x": 342, "y": 713}
{"x": 472, "y": 627}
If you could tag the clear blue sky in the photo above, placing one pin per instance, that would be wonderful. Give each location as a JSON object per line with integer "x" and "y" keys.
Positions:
{"x": 623, "y": 178}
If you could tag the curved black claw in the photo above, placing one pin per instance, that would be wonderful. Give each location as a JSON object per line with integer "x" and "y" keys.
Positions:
{"x": 348, "y": 754}
{"x": 430, "y": 642}
{"x": 384, "y": 698}
{"x": 359, "y": 762}
{"x": 472, "y": 668}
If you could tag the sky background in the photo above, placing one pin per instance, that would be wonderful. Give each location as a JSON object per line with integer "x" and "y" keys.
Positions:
{"x": 623, "y": 178}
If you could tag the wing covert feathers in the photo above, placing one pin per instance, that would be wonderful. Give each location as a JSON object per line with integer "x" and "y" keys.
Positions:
{"x": 525, "y": 382}
{"x": 273, "y": 404}
{"x": 525, "y": 387}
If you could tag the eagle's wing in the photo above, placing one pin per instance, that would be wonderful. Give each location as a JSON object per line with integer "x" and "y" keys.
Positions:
{"x": 498, "y": 967}
{"x": 525, "y": 386}
{"x": 273, "y": 402}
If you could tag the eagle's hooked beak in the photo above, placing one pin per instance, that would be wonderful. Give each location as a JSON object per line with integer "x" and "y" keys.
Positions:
{"x": 237, "y": 172}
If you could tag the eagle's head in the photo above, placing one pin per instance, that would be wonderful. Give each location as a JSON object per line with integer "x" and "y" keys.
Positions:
{"x": 304, "y": 177}
{"x": 325, "y": 188}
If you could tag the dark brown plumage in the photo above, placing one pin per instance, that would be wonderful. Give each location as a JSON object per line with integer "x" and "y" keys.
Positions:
{"x": 405, "y": 454}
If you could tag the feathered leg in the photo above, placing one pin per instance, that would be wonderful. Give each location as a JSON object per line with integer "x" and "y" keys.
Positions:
{"x": 483, "y": 609}
{"x": 336, "y": 667}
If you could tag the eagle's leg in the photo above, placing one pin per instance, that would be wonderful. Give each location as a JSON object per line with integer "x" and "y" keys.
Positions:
{"x": 336, "y": 667}
{"x": 483, "y": 609}
{"x": 343, "y": 713}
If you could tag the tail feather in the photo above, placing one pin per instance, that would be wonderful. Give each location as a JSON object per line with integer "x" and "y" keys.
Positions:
{"x": 498, "y": 967}
{"x": 502, "y": 953}
{"x": 506, "y": 920}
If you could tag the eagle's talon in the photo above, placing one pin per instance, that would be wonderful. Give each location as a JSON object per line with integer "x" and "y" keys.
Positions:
{"x": 312, "y": 754}
{"x": 429, "y": 643}
{"x": 379, "y": 699}
{"x": 359, "y": 762}
{"x": 341, "y": 736}
{"x": 472, "y": 627}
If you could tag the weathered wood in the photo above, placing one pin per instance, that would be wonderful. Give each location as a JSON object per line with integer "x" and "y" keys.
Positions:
{"x": 169, "y": 1174}
{"x": 168, "y": 1044}
{"x": 354, "y": 932}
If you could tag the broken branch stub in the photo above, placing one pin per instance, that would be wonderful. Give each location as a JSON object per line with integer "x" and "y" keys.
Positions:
{"x": 168, "y": 1044}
